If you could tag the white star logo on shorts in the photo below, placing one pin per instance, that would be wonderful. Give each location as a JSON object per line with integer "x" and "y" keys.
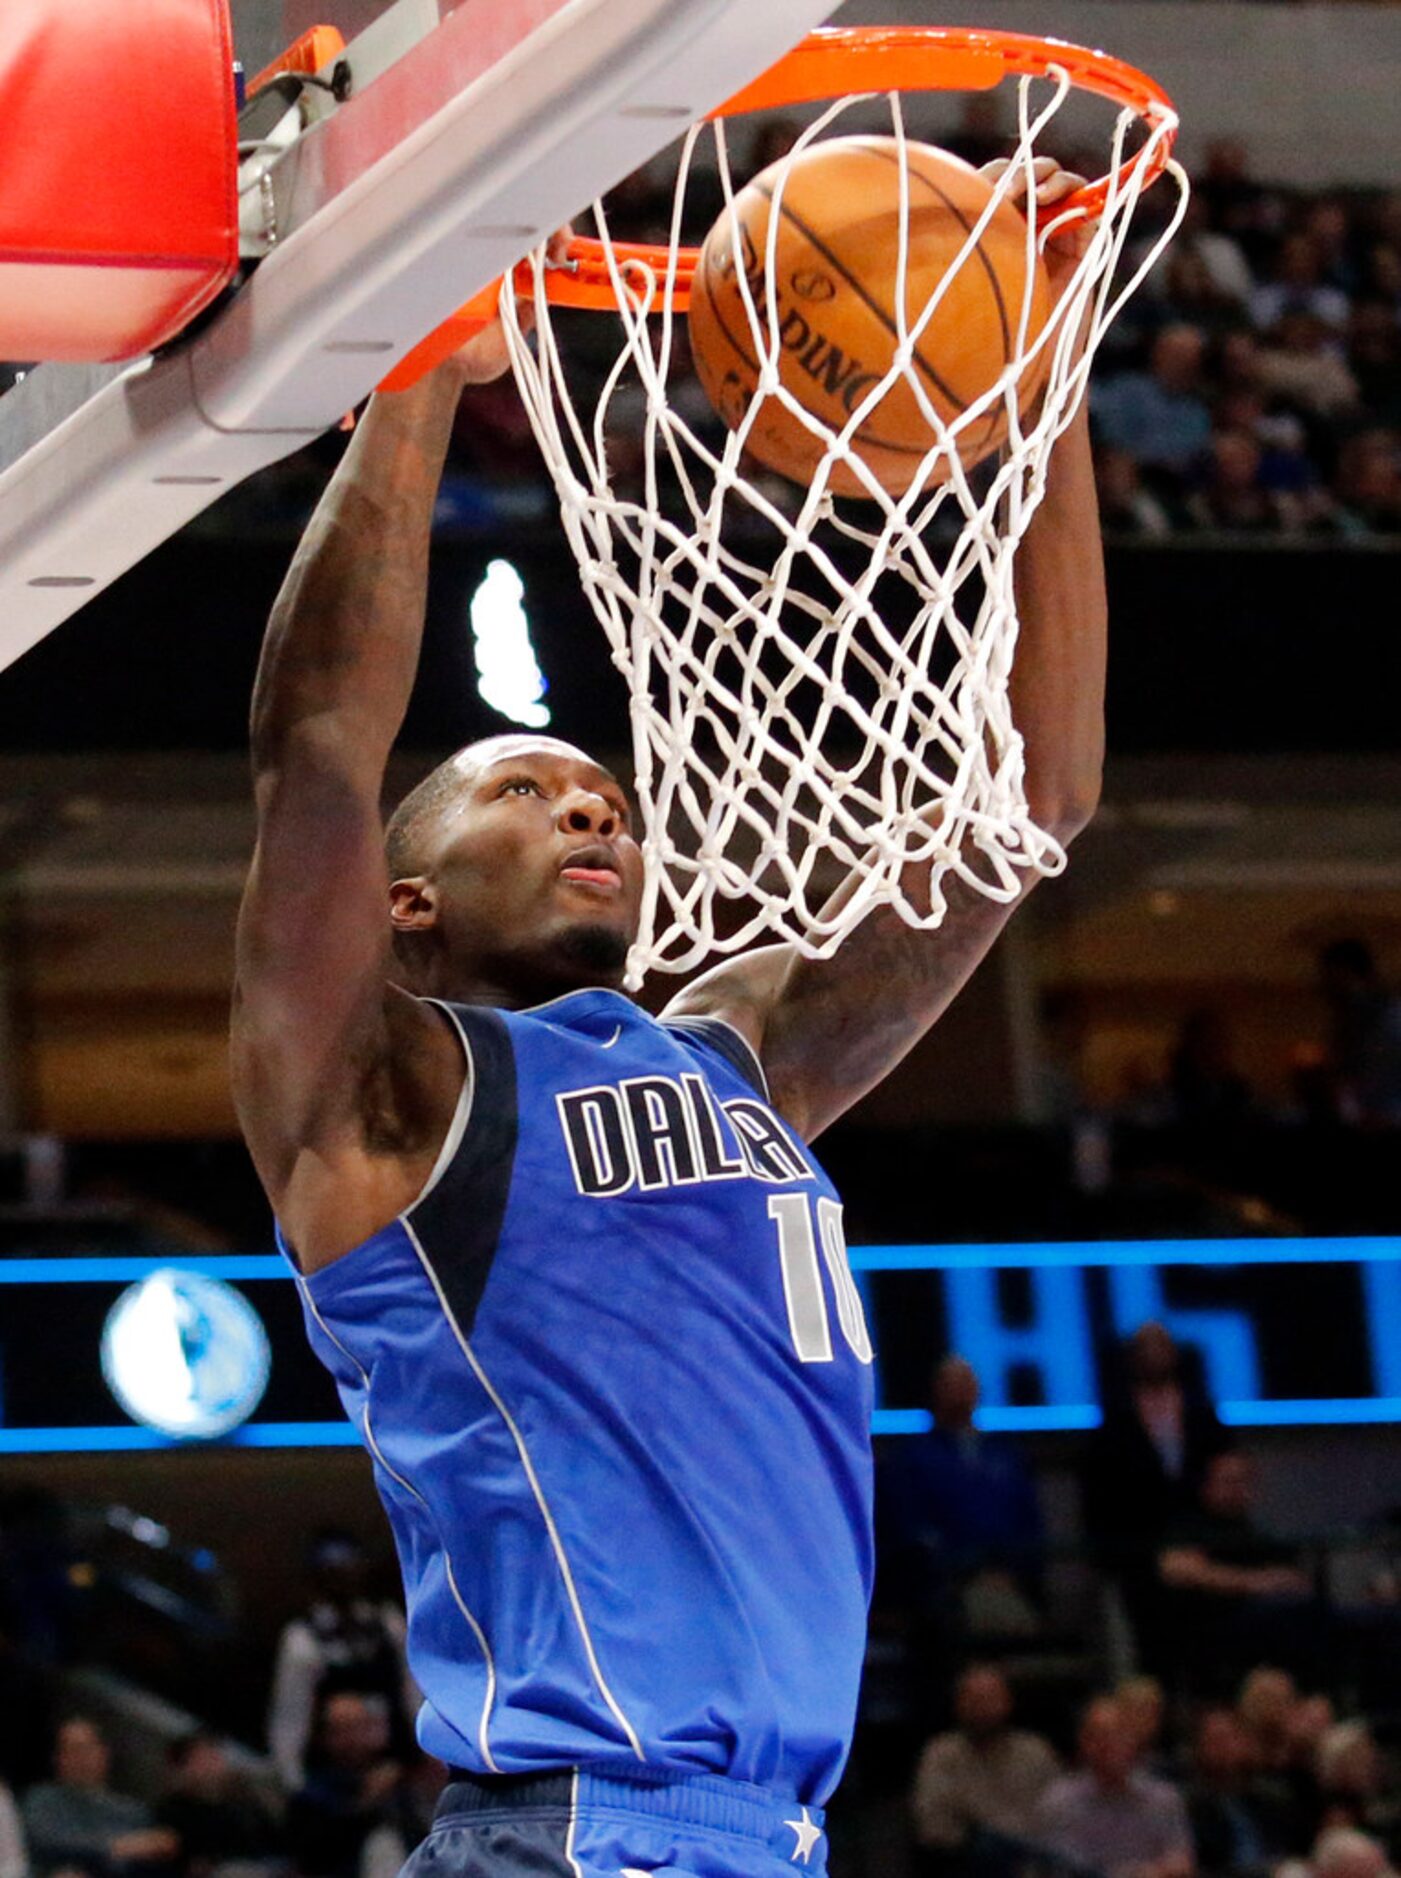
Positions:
{"x": 808, "y": 1836}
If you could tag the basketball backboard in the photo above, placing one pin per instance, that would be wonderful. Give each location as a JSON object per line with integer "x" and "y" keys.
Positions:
{"x": 471, "y": 128}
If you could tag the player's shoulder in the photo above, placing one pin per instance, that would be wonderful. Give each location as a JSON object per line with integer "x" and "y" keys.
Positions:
{"x": 719, "y": 1036}
{"x": 738, "y": 994}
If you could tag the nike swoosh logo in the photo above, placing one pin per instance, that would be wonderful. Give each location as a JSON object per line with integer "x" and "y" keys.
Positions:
{"x": 614, "y": 1038}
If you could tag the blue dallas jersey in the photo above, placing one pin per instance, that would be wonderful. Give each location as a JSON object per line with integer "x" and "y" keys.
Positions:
{"x": 614, "y": 1376}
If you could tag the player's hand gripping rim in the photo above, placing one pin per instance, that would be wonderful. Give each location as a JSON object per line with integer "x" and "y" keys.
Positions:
{"x": 1064, "y": 244}
{"x": 485, "y": 357}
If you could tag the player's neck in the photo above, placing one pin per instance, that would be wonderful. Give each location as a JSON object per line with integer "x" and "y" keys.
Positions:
{"x": 505, "y": 989}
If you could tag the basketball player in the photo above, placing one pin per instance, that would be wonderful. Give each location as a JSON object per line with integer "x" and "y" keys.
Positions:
{"x": 577, "y": 1274}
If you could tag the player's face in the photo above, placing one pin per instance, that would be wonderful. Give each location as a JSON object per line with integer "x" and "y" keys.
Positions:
{"x": 537, "y": 874}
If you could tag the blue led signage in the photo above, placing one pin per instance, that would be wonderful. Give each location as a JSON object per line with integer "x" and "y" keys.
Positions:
{"x": 1289, "y": 1333}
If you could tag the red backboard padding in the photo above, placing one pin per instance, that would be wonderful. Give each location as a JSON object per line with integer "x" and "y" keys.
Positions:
{"x": 118, "y": 206}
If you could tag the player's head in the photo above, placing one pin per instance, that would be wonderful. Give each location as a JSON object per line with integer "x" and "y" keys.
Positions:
{"x": 514, "y": 873}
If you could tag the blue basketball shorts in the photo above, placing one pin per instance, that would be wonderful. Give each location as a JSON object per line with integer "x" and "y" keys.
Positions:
{"x": 584, "y": 1824}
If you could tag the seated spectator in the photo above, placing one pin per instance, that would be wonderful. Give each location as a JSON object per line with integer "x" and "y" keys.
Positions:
{"x": 963, "y": 1511}
{"x": 345, "y": 1639}
{"x": 1237, "y": 1827}
{"x": 1144, "y": 1467}
{"x": 1310, "y": 1718}
{"x": 1143, "y": 1702}
{"x": 1192, "y": 294}
{"x": 1159, "y": 416}
{"x": 1374, "y": 358}
{"x": 983, "y": 1775}
{"x": 1383, "y": 218}
{"x": 1111, "y": 1817}
{"x": 1300, "y": 363}
{"x": 1381, "y": 275}
{"x": 215, "y": 1813}
{"x": 1236, "y": 1593}
{"x": 1297, "y": 288}
{"x": 1236, "y": 363}
{"x": 1329, "y": 227}
{"x": 1125, "y": 505}
{"x": 1236, "y": 204}
{"x": 1284, "y": 1729}
{"x": 1219, "y": 254}
{"x": 1267, "y": 1706}
{"x": 1343, "y": 1852}
{"x": 345, "y": 1821}
{"x": 1364, "y": 1043}
{"x": 1232, "y": 493}
{"x": 1368, "y": 484}
{"x": 75, "y": 1821}
{"x": 14, "y": 1860}
{"x": 1351, "y": 1787}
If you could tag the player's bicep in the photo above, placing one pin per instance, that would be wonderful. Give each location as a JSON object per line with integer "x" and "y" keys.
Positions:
{"x": 312, "y": 954}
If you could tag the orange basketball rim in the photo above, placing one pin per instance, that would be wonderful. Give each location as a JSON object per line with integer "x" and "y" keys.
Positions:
{"x": 837, "y": 62}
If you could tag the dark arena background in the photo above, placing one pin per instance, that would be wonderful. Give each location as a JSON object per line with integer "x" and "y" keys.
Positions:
{"x": 1127, "y": 1226}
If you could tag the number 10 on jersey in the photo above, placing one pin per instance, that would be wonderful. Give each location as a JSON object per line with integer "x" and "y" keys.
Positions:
{"x": 798, "y": 1240}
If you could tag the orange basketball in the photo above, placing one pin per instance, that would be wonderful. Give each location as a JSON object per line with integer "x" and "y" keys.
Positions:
{"x": 835, "y": 276}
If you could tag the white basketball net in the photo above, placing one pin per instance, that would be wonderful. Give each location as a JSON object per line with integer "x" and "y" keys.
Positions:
{"x": 819, "y": 687}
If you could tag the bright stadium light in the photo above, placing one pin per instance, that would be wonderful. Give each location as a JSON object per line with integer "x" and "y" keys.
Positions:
{"x": 508, "y": 677}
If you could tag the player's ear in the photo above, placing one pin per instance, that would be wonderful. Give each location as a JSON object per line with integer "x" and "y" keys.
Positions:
{"x": 413, "y": 904}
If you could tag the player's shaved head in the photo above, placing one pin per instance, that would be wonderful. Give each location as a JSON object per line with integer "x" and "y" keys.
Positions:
{"x": 513, "y": 873}
{"x": 410, "y": 836}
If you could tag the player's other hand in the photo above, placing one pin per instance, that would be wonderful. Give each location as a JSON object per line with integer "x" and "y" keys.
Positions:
{"x": 1067, "y": 243}
{"x": 485, "y": 356}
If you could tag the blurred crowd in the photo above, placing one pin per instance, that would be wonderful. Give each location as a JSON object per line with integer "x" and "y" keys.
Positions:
{"x": 1246, "y": 1728}
{"x": 342, "y": 1790}
{"x": 1255, "y": 383}
{"x": 1215, "y": 1697}
{"x": 1348, "y": 1078}
{"x": 1265, "y": 1781}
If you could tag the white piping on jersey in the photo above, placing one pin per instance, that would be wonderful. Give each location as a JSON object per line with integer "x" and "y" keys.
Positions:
{"x": 613, "y": 1039}
{"x": 461, "y": 1115}
{"x": 690, "y": 1021}
{"x": 574, "y": 1865}
{"x": 556, "y": 1543}
{"x": 373, "y": 1445}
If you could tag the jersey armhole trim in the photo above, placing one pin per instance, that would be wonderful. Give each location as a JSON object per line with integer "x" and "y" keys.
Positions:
{"x": 461, "y": 1116}
{"x": 741, "y": 1053}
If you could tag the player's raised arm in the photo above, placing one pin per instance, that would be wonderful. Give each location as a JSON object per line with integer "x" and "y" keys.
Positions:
{"x": 335, "y": 1073}
{"x": 829, "y": 1030}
